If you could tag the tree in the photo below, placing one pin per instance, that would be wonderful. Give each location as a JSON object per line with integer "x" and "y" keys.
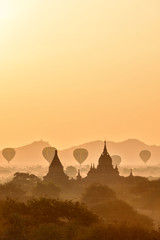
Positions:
{"x": 46, "y": 190}
{"x": 25, "y": 181}
{"x": 44, "y": 210}
{"x": 71, "y": 171}
{"x": 119, "y": 212}
{"x": 11, "y": 190}
{"x": 98, "y": 193}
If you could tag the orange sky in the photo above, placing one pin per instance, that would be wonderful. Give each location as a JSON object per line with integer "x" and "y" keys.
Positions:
{"x": 75, "y": 71}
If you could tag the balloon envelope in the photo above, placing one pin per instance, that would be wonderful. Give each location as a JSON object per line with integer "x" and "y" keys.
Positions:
{"x": 8, "y": 153}
{"x": 80, "y": 154}
{"x": 145, "y": 155}
{"x": 48, "y": 153}
{"x": 116, "y": 160}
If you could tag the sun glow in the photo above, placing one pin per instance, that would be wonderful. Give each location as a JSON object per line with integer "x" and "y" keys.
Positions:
{"x": 72, "y": 65}
{"x": 4, "y": 11}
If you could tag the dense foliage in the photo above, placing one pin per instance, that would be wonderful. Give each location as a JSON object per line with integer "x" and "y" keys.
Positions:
{"x": 48, "y": 219}
{"x": 30, "y": 209}
{"x": 102, "y": 200}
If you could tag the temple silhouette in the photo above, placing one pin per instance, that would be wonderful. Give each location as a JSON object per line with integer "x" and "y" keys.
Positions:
{"x": 56, "y": 172}
{"x": 105, "y": 170}
{"x": 104, "y": 173}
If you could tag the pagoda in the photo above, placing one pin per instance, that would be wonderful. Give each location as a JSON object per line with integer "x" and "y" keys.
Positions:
{"x": 56, "y": 173}
{"x": 105, "y": 170}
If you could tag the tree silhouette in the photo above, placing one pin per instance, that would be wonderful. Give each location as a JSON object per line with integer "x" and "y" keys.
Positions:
{"x": 97, "y": 193}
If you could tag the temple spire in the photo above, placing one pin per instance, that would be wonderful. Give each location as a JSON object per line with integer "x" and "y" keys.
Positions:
{"x": 105, "y": 148}
{"x": 79, "y": 172}
{"x": 131, "y": 173}
{"x": 56, "y": 153}
{"x": 79, "y": 175}
{"x": 56, "y": 161}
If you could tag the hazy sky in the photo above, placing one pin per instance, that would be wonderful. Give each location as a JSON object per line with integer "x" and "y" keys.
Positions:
{"x": 72, "y": 71}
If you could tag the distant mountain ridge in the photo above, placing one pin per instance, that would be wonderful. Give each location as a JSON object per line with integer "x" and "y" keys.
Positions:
{"x": 31, "y": 154}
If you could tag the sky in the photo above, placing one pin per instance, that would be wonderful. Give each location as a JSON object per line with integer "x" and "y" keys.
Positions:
{"x": 78, "y": 71}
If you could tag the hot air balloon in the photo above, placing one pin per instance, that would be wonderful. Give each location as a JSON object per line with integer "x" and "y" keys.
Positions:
{"x": 145, "y": 155}
{"x": 48, "y": 153}
{"x": 116, "y": 160}
{"x": 80, "y": 154}
{"x": 8, "y": 153}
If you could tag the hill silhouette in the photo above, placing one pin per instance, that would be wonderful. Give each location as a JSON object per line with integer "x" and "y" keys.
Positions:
{"x": 31, "y": 154}
{"x": 128, "y": 150}
{"x": 28, "y": 155}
